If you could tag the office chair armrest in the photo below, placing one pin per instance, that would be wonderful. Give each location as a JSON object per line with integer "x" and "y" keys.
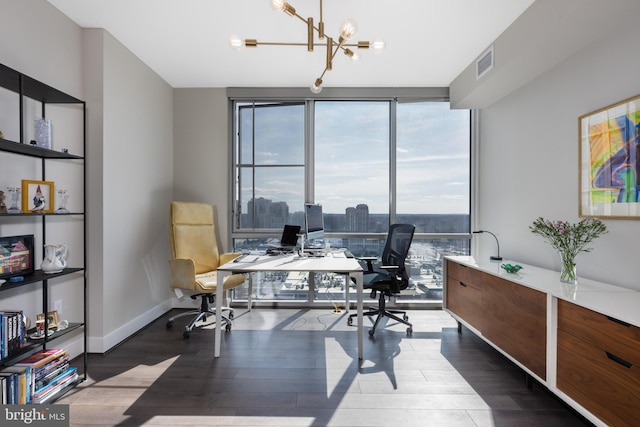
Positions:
{"x": 228, "y": 257}
{"x": 389, "y": 267}
{"x": 183, "y": 273}
{"x": 369, "y": 260}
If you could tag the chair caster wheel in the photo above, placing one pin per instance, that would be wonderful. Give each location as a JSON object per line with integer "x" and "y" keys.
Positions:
{"x": 405, "y": 317}
{"x": 169, "y": 324}
{"x": 409, "y": 331}
{"x": 228, "y": 327}
{"x": 186, "y": 334}
{"x": 371, "y": 332}
{"x": 350, "y": 321}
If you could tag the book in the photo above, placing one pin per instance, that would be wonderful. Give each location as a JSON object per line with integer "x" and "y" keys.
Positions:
{"x": 53, "y": 388}
{"x": 3, "y": 390}
{"x": 10, "y": 387}
{"x": 42, "y": 357}
{"x": 12, "y": 330}
{"x": 41, "y": 363}
{"x": 21, "y": 387}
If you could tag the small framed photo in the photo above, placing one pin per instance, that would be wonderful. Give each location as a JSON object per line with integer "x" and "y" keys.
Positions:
{"x": 37, "y": 196}
{"x": 52, "y": 318}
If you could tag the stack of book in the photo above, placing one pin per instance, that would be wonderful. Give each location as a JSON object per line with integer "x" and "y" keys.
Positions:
{"x": 12, "y": 332}
{"x": 47, "y": 372}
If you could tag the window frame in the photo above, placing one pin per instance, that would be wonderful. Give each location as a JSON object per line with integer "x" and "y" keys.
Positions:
{"x": 392, "y": 95}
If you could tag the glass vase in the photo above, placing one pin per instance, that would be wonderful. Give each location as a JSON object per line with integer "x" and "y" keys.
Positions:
{"x": 568, "y": 272}
{"x": 15, "y": 196}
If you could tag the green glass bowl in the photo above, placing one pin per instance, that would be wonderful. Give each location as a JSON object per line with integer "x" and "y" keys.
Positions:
{"x": 510, "y": 268}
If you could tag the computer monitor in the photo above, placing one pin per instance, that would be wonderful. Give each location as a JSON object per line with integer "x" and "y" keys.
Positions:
{"x": 314, "y": 221}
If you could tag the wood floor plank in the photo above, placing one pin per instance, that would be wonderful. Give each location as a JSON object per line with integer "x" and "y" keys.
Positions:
{"x": 290, "y": 367}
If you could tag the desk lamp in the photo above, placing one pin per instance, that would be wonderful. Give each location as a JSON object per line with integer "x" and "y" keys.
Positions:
{"x": 492, "y": 258}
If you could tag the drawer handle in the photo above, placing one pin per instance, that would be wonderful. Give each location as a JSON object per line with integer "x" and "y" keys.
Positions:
{"x": 618, "y": 321}
{"x": 463, "y": 284}
{"x": 619, "y": 360}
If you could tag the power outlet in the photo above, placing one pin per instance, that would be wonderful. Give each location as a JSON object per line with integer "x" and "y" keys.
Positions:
{"x": 57, "y": 306}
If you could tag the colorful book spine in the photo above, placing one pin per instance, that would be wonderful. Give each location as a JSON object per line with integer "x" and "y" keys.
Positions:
{"x": 12, "y": 332}
{"x": 45, "y": 394}
{"x": 41, "y": 364}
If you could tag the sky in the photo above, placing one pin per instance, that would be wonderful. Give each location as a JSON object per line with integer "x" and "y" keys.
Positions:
{"x": 352, "y": 156}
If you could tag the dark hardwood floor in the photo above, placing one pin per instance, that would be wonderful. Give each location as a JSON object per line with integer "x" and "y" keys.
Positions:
{"x": 289, "y": 367}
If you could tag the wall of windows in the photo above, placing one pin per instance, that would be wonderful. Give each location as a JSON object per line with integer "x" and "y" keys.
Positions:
{"x": 369, "y": 163}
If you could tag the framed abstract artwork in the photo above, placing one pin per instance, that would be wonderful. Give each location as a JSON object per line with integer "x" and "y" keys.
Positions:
{"x": 609, "y": 155}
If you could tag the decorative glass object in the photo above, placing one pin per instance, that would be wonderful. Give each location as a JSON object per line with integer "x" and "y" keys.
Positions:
{"x": 511, "y": 268}
{"x": 62, "y": 202}
{"x": 43, "y": 133}
{"x": 15, "y": 197}
{"x": 568, "y": 272}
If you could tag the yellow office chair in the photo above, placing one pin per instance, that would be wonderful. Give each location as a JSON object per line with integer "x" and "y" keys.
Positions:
{"x": 195, "y": 259}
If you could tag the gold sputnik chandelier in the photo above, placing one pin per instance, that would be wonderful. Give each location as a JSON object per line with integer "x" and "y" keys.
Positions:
{"x": 347, "y": 30}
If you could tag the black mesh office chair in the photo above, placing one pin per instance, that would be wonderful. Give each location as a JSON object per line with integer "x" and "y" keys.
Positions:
{"x": 390, "y": 277}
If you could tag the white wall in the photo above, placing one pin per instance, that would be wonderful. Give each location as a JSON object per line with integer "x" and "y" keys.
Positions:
{"x": 129, "y": 162}
{"x": 201, "y": 152}
{"x": 133, "y": 141}
{"x": 528, "y": 164}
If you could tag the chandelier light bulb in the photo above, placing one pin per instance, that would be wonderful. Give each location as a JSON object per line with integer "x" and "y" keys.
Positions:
{"x": 236, "y": 42}
{"x": 348, "y": 29}
{"x": 316, "y": 87}
{"x": 378, "y": 45}
{"x": 277, "y": 4}
{"x": 351, "y": 54}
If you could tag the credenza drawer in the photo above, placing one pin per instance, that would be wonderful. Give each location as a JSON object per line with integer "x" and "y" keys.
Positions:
{"x": 464, "y": 274}
{"x": 600, "y": 381}
{"x": 608, "y": 334}
{"x": 515, "y": 319}
{"x": 465, "y": 301}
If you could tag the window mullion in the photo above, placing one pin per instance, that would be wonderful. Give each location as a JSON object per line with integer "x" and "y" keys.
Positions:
{"x": 392, "y": 163}
{"x": 309, "y": 150}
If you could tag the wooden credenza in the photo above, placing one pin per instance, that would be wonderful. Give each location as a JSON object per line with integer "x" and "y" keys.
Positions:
{"x": 582, "y": 342}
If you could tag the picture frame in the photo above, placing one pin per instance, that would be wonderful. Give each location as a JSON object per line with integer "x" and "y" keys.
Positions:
{"x": 609, "y": 161}
{"x": 37, "y": 196}
{"x": 52, "y": 317}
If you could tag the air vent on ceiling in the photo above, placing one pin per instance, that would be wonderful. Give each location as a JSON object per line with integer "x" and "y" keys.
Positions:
{"x": 484, "y": 63}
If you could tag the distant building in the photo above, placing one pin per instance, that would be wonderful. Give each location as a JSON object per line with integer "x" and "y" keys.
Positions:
{"x": 357, "y": 219}
{"x": 264, "y": 213}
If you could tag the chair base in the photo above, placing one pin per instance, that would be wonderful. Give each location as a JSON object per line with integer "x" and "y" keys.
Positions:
{"x": 381, "y": 311}
{"x": 202, "y": 314}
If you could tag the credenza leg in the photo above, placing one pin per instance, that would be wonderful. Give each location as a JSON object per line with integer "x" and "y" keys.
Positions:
{"x": 459, "y": 327}
{"x": 528, "y": 380}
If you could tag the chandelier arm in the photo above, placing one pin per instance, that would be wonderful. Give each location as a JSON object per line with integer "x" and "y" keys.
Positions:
{"x": 344, "y": 45}
{"x": 320, "y": 28}
{"x": 282, "y": 44}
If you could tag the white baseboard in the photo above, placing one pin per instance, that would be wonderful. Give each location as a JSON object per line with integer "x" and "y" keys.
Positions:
{"x": 103, "y": 344}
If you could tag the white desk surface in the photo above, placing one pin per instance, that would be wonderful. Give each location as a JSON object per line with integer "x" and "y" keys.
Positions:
{"x": 334, "y": 262}
{"x": 610, "y": 300}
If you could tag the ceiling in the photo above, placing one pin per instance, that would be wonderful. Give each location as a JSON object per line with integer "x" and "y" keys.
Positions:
{"x": 429, "y": 42}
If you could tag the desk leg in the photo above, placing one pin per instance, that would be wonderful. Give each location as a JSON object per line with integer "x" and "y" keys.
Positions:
{"x": 250, "y": 292}
{"x": 219, "y": 299}
{"x": 360, "y": 317}
{"x": 347, "y": 286}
